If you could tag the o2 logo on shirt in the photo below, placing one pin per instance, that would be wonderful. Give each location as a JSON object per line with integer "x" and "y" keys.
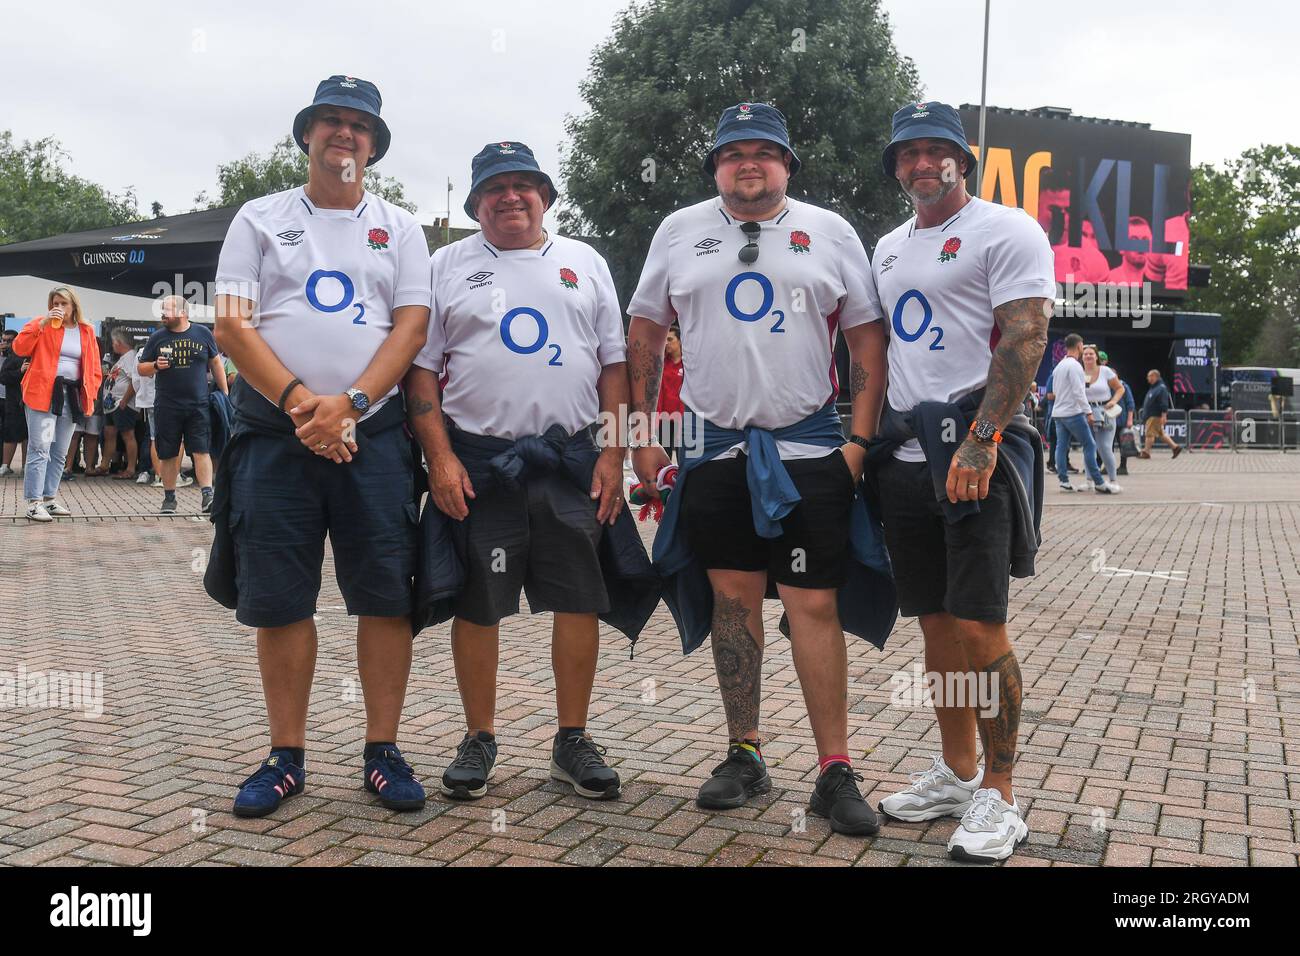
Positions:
{"x": 543, "y": 331}
{"x": 927, "y": 315}
{"x": 347, "y": 294}
{"x": 764, "y": 307}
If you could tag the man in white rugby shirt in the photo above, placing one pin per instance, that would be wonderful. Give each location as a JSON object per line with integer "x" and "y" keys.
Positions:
{"x": 527, "y": 338}
{"x": 966, "y": 287}
{"x": 322, "y": 302}
{"x": 759, "y": 284}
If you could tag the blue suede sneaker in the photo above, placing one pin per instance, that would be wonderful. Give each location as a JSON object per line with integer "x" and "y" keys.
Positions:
{"x": 276, "y": 780}
{"x": 390, "y": 776}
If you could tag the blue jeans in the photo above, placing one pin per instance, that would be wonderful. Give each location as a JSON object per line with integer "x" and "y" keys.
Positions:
{"x": 48, "y": 438}
{"x": 1076, "y": 427}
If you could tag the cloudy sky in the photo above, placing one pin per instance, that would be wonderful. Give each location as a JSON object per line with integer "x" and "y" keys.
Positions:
{"x": 155, "y": 94}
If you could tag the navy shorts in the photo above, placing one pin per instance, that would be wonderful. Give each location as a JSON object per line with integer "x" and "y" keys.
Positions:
{"x": 813, "y": 547}
{"x": 544, "y": 539}
{"x": 284, "y": 500}
{"x": 176, "y": 423}
{"x": 963, "y": 569}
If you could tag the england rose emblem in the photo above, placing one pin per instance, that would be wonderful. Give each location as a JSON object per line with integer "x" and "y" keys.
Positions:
{"x": 377, "y": 239}
{"x": 568, "y": 278}
{"x": 950, "y": 249}
{"x": 799, "y": 241}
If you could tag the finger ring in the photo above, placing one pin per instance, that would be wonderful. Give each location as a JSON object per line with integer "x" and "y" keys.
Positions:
{"x": 969, "y": 484}
{"x": 322, "y": 445}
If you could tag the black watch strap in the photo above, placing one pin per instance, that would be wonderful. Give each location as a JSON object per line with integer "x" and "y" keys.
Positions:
{"x": 859, "y": 441}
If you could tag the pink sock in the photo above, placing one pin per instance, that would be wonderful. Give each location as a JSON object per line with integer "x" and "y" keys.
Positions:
{"x": 829, "y": 759}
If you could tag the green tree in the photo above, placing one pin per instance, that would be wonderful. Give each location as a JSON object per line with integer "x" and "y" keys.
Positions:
{"x": 1245, "y": 223}
{"x": 656, "y": 88}
{"x": 284, "y": 167}
{"x": 40, "y": 198}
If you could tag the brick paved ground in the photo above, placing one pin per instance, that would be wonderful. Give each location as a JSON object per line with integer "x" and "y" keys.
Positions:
{"x": 1160, "y": 719}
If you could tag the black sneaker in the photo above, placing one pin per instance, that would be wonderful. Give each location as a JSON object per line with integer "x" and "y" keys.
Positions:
{"x": 837, "y": 797}
{"x": 206, "y": 508}
{"x": 1122, "y": 470}
{"x": 476, "y": 759}
{"x": 741, "y": 776}
{"x": 580, "y": 762}
{"x": 168, "y": 506}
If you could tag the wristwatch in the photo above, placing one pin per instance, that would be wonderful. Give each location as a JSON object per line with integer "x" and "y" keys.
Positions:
{"x": 360, "y": 400}
{"x": 985, "y": 431}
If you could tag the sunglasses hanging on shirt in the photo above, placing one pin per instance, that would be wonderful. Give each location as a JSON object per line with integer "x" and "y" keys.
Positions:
{"x": 749, "y": 252}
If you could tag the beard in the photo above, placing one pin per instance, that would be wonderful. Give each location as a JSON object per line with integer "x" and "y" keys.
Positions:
{"x": 753, "y": 205}
{"x": 930, "y": 199}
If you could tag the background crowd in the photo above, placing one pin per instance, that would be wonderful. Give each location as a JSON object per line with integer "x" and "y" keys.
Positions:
{"x": 77, "y": 413}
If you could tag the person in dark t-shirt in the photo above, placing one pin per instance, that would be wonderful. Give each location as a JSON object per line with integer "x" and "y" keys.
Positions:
{"x": 178, "y": 357}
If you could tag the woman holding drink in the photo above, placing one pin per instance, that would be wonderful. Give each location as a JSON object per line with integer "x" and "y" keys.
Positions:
{"x": 59, "y": 391}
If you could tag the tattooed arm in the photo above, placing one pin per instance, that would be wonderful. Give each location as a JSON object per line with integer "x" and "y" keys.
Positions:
{"x": 645, "y": 368}
{"x": 645, "y": 363}
{"x": 1023, "y": 323}
{"x": 607, "y": 477}
{"x": 449, "y": 483}
{"x": 866, "y": 387}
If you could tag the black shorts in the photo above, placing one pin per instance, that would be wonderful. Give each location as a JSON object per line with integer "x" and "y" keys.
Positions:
{"x": 813, "y": 546}
{"x": 284, "y": 500}
{"x": 15, "y": 428}
{"x": 124, "y": 418}
{"x": 174, "y": 423}
{"x": 963, "y": 569}
{"x": 543, "y": 539}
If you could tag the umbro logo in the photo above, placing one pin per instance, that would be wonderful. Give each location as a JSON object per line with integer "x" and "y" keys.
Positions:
{"x": 707, "y": 246}
{"x": 479, "y": 279}
{"x": 290, "y": 237}
{"x": 888, "y": 264}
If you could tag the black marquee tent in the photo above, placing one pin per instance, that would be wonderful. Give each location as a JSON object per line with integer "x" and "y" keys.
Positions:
{"x": 130, "y": 259}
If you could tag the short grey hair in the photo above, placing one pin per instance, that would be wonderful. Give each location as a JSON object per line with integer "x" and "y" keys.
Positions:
{"x": 177, "y": 300}
{"x": 123, "y": 336}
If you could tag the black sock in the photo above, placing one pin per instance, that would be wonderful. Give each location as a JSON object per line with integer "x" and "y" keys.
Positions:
{"x": 373, "y": 750}
{"x": 169, "y": 495}
{"x": 296, "y": 755}
{"x": 566, "y": 732}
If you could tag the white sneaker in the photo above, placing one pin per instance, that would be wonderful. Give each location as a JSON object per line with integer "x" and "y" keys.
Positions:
{"x": 1102, "y": 489}
{"x": 1114, "y": 487}
{"x": 1066, "y": 486}
{"x": 142, "y": 478}
{"x": 990, "y": 829}
{"x": 157, "y": 482}
{"x": 934, "y": 793}
{"x": 55, "y": 507}
{"x": 5, "y": 471}
{"x": 36, "y": 512}
{"x": 184, "y": 481}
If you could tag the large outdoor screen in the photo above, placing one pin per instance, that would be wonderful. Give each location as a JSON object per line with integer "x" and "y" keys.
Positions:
{"x": 1113, "y": 199}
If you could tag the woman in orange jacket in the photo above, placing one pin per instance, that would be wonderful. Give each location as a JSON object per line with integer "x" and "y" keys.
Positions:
{"x": 59, "y": 392}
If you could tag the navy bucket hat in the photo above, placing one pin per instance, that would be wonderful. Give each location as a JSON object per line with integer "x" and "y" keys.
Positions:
{"x": 751, "y": 121}
{"x": 927, "y": 121}
{"x": 353, "y": 94}
{"x": 506, "y": 157}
